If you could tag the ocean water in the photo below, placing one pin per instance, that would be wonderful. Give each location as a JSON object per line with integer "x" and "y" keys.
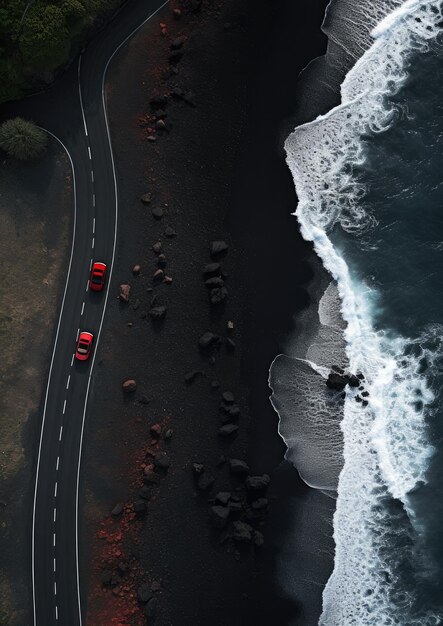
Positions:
{"x": 369, "y": 178}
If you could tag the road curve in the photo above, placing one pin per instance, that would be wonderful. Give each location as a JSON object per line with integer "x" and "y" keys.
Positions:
{"x": 56, "y": 516}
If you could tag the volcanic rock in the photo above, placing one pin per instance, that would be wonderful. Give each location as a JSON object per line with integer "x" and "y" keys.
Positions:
{"x": 227, "y": 430}
{"x": 238, "y": 467}
{"x": 215, "y": 281}
{"x": 125, "y": 292}
{"x": 157, "y": 211}
{"x": 157, "y": 247}
{"x": 205, "y": 481}
{"x": 260, "y": 504}
{"x": 161, "y": 464}
{"x": 158, "y": 102}
{"x": 336, "y": 381}
{"x": 219, "y": 516}
{"x": 190, "y": 377}
{"x": 218, "y": 295}
{"x": 136, "y": 270}
{"x": 129, "y": 385}
{"x": 144, "y": 593}
{"x": 242, "y": 532}
{"x": 257, "y": 483}
{"x": 212, "y": 269}
{"x": 177, "y": 43}
{"x": 223, "y": 497}
{"x": 146, "y": 198}
{"x": 198, "y": 468}
{"x": 118, "y": 509}
{"x": 228, "y": 397}
{"x": 158, "y": 275}
{"x": 170, "y": 232}
{"x": 156, "y": 430}
{"x": 157, "y": 312}
{"x": 217, "y": 248}
{"x": 209, "y": 340}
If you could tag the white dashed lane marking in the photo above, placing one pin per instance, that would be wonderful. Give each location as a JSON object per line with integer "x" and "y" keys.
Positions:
{"x": 83, "y": 308}
{"x": 89, "y": 152}
{"x": 93, "y": 225}
{"x": 64, "y": 407}
{"x": 61, "y": 433}
{"x": 55, "y": 517}
{"x": 72, "y": 360}
{"x": 54, "y": 565}
{"x": 69, "y": 380}
{"x": 93, "y": 199}
{"x": 78, "y": 332}
{"x": 55, "y": 490}
{"x": 92, "y": 175}
{"x": 93, "y": 242}
{"x": 58, "y": 461}
{"x": 55, "y": 588}
{"x": 53, "y": 540}
{"x": 56, "y": 612}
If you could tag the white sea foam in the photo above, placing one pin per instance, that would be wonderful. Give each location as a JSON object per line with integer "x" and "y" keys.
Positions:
{"x": 386, "y": 452}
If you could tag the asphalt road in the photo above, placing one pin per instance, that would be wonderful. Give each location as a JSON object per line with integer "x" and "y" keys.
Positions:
{"x": 74, "y": 111}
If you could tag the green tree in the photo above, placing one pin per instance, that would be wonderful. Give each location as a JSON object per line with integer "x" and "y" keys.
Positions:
{"x": 22, "y": 140}
{"x": 44, "y": 41}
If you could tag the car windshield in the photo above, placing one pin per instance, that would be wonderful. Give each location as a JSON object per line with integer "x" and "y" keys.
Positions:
{"x": 97, "y": 280}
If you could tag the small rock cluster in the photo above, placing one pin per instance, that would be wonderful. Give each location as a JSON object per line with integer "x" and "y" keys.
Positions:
{"x": 338, "y": 379}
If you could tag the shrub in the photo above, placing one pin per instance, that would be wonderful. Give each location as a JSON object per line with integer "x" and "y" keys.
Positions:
{"x": 44, "y": 41}
{"x": 22, "y": 140}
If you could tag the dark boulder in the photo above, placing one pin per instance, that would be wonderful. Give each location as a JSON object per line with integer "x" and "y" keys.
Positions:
{"x": 219, "y": 516}
{"x": 157, "y": 312}
{"x": 227, "y": 430}
{"x": 129, "y": 385}
{"x": 218, "y": 295}
{"x": 125, "y": 292}
{"x": 218, "y": 248}
{"x": 212, "y": 269}
{"x": 118, "y": 509}
{"x": 158, "y": 102}
{"x": 336, "y": 381}
{"x": 239, "y": 467}
{"x": 146, "y": 198}
{"x": 205, "y": 481}
{"x": 170, "y": 232}
{"x": 191, "y": 376}
{"x": 157, "y": 212}
{"x": 161, "y": 464}
{"x": 228, "y": 397}
{"x": 242, "y": 532}
{"x": 223, "y": 497}
{"x": 214, "y": 282}
{"x": 177, "y": 43}
{"x": 257, "y": 483}
{"x": 144, "y": 593}
{"x": 209, "y": 340}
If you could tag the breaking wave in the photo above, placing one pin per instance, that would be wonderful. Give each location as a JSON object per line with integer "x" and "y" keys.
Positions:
{"x": 386, "y": 448}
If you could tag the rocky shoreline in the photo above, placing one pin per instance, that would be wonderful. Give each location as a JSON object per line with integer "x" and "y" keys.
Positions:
{"x": 182, "y": 440}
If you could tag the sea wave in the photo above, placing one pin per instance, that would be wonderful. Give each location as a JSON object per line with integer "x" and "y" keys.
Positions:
{"x": 386, "y": 450}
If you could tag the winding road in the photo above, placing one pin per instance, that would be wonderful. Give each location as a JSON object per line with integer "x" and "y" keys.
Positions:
{"x": 74, "y": 113}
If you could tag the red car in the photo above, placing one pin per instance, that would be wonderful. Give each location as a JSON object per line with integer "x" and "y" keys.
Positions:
{"x": 97, "y": 278}
{"x": 84, "y": 346}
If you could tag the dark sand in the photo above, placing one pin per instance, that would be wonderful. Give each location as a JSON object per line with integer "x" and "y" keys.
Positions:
{"x": 221, "y": 172}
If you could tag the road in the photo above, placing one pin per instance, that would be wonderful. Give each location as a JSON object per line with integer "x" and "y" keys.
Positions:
{"x": 74, "y": 112}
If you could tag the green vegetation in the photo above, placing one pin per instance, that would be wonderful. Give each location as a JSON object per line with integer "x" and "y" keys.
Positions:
{"x": 22, "y": 140}
{"x": 36, "y": 36}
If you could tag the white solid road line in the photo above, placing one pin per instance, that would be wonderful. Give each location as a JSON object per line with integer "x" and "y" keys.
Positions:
{"x": 50, "y": 371}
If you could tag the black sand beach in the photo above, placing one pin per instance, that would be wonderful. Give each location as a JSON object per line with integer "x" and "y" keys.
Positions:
{"x": 217, "y": 173}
